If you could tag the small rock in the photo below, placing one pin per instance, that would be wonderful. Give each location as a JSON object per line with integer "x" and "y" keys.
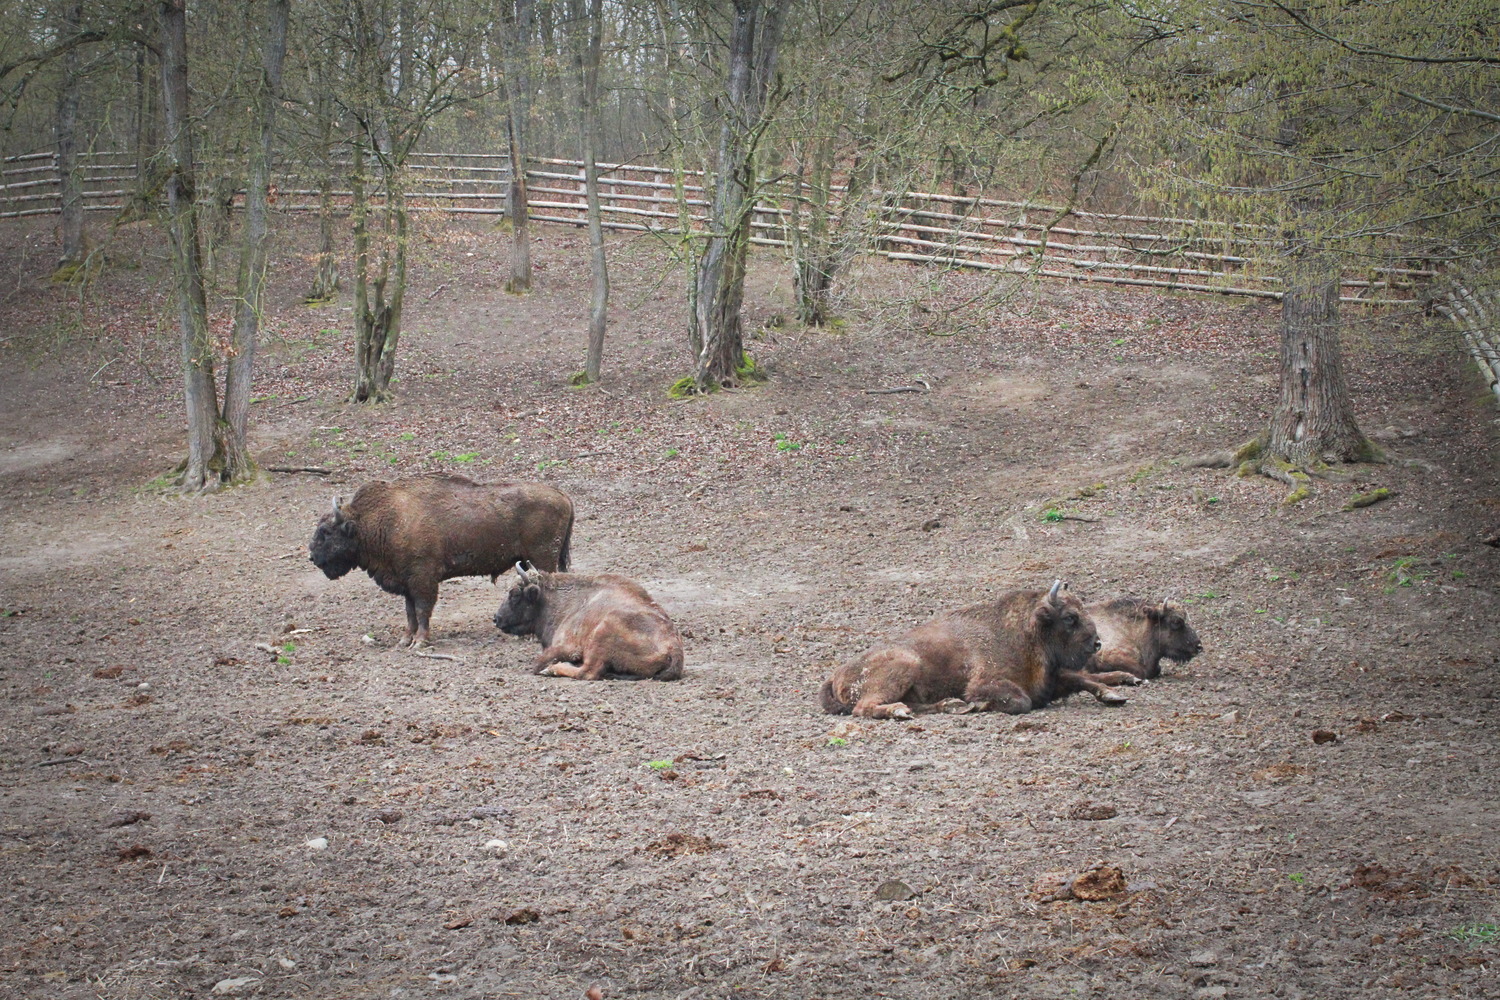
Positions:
{"x": 235, "y": 985}
{"x": 489, "y": 812}
{"x": 894, "y": 891}
{"x": 496, "y": 846}
{"x": 286, "y": 963}
{"x": 525, "y": 915}
{"x": 1321, "y": 736}
{"x": 1203, "y": 958}
{"x": 1230, "y": 718}
{"x": 442, "y": 978}
{"x": 593, "y": 993}
{"x": 127, "y": 817}
{"x": 317, "y": 844}
{"x": 143, "y": 686}
{"x": 932, "y": 524}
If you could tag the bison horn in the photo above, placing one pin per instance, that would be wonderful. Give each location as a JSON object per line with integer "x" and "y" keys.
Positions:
{"x": 1052, "y": 599}
{"x": 338, "y": 508}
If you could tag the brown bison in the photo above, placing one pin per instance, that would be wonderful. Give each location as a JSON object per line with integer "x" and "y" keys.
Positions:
{"x": 412, "y": 534}
{"x": 1005, "y": 655}
{"x": 1136, "y": 635}
{"x": 592, "y": 627}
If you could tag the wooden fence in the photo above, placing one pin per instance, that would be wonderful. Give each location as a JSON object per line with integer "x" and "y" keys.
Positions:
{"x": 989, "y": 234}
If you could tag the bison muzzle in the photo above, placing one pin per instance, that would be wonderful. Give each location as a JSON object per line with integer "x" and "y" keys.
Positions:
{"x": 412, "y": 534}
{"x": 592, "y": 627}
{"x": 1005, "y": 655}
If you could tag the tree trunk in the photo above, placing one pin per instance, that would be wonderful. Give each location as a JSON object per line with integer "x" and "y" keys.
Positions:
{"x": 325, "y": 284}
{"x": 377, "y": 321}
{"x": 199, "y": 470}
{"x": 251, "y": 285}
{"x": 716, "y": 333}
{"x": 71, "y": 260}
{"x": 1313, "y": 421}
{"x": 586, "y": 57}
{"x": 516, "y": 47}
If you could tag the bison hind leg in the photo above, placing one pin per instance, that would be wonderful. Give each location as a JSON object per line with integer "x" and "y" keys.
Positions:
{"x": 889, "y": 710}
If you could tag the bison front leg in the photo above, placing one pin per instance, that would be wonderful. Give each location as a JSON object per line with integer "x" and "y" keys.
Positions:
{"x": 557, "y": 661}
{"x": 1071, "y": 681}
{"x": 1115, "y": 661}
{"x": 419, "y": 607}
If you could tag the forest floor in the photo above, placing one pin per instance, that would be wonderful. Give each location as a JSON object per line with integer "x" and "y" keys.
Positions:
{"x": 218, "y": 774}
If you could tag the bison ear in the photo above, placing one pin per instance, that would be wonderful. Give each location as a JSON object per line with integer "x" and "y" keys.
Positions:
{"x": 532, "y": 592}
{"x": 347, "y": 528}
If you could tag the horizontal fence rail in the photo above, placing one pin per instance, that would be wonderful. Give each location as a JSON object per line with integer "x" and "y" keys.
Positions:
{"x": 981, "y": 233}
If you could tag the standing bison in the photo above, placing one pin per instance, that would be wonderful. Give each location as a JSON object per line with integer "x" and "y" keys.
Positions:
{"x": 592, "y": 627}
{"x": 412, "y": 534}
{"x": 1005, "y": 655}
{"x": 1136, "y": 635}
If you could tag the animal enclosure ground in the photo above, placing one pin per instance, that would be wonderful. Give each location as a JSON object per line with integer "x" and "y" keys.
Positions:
{"x": 219, "y": 775}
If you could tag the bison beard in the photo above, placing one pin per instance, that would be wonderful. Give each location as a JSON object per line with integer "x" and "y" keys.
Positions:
{"x": 1007, "y": 655}
{"x": 412, "y": 534}
{"x": 593, "y": 627}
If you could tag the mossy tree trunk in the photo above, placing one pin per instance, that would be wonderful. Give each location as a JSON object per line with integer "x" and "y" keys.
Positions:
{"x": 200, "y": 468}
{"x": 252, "y": 274}
{"x": 715, "y": 327}
{"x": 325, "y": 283}
{"x": 70, "y": 188}
{"x": 586, "y": 55}
{"x": 377, "y": 315}
{"x": 518, "y": 25}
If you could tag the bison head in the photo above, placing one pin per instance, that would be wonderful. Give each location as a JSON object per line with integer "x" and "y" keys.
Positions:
{"x": 1175, "y": 638}
{"x": 517, "y": 616}
{"x": 1066, "y": 632}
{"x": 334, "y": 548}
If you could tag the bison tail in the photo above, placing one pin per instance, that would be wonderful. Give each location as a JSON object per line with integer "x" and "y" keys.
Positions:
{"x": 830, "y": 701}
{"x": 564, "y": 554}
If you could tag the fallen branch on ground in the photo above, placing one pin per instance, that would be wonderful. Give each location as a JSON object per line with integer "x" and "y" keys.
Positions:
{"x": 921, "y": 386}
{"x": 435, "y": 656}
{"x": 314, "y": 470}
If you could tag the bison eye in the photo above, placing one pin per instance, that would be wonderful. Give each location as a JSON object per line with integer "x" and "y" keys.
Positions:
{"x": 1070, "y": 620}
{"x": 1177, "y": 624}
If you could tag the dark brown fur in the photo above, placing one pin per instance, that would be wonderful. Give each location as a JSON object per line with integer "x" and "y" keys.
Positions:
{"x": 1005, "y": 655}
{"x": 592, "y": 627}
{"x": 1137, "y": 634}
{"x": 412, "y": 534}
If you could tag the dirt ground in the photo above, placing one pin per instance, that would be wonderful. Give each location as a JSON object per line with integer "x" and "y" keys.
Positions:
{"x": 185, "y": 813}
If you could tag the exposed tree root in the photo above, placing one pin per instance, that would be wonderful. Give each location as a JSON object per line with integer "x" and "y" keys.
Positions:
{"x": 1252, "y": 459}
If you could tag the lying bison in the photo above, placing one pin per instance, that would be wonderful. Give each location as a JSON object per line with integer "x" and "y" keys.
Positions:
{"x": 1137, "y": 635}
{"x": 412, "y": 534}
{"x": 1005, "y": 655}
{"x": 592, "y": 627}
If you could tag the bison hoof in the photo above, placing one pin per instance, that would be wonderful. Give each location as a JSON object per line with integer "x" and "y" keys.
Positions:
{"x": 1108, "y": 697}
{"x": 953, "y": 706}
{"x": 546, "y": 670}
{"x": 405, "y": 641}
{"x": 420, "y": 644}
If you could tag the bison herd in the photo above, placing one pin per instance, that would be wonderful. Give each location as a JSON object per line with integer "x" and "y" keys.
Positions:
{"x": 1014, "y": 653}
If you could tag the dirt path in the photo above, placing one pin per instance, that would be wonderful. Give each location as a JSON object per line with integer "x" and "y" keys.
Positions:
{"x": 485, "y": 832}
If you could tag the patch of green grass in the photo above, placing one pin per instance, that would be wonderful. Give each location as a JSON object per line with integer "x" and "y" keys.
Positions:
{"x": 1475, "y": 934}
{"x": 1402, "y": 574}
{"x": 466, "y": 457}
{"x": 1051, "y": 515}
{"x": 547, "y": 463}
{"x": 837, "y": 741}
{"x": 407, "y": 436}
{"x": 658, "y": 765}
{"x": 784, "y": 443}
{"x": 673, "y": 452}
{"x": 1297, "y": 877}
{"x": 441, "y": 456}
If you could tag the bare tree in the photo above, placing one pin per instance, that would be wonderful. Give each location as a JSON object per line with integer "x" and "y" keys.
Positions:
{"x": 517, "y": 31}
{"x": 587, "y": 31}
{"x": 67, "y": 149}
{"x": 718, "y": 282}
{"x": 250, "y": 297}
